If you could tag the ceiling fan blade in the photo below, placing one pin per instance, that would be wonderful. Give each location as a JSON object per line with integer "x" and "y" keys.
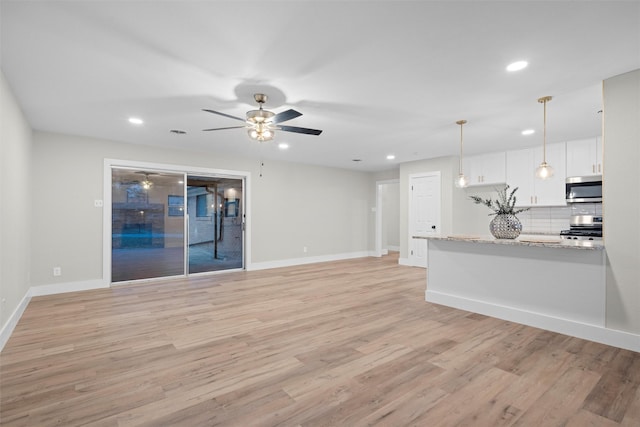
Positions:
{"x": 224, "y": 114}
{"x": 231, "y": 127}
{"x": 300, "y": 130}
{"x": 284, "y": 116}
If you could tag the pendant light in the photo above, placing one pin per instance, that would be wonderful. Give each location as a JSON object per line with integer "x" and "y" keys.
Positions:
{"x": 544, "y": 171}
{"x": 461, "y": 181}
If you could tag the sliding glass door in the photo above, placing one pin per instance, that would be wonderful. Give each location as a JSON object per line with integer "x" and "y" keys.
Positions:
{"x": 147, "y": 224}
{"x": 214, "y": 207}
{"x": 172, "y": 224}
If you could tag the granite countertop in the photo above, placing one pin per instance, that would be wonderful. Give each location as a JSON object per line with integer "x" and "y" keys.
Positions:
{"x": 545, "y": 241}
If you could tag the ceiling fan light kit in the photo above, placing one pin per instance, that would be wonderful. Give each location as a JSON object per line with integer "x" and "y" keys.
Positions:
{"x": 262, "y": 124}
{"x": 146, "y": 184}
{"x": 544, "y": 171}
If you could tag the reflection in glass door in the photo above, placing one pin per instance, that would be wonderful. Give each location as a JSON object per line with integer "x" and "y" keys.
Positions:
{"x": 147, "y": 224}
{"x": 214, "y": 208}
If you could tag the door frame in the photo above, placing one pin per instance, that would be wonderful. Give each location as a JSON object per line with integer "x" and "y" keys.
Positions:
{"x": 436, "y": 174}
{"x": 163, "y": 167}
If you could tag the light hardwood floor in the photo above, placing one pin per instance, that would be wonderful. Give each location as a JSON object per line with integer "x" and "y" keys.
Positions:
{"x": 344, "y": 343}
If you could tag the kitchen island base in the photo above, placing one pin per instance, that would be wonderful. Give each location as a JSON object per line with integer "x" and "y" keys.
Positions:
{"x": 553, "y": 287}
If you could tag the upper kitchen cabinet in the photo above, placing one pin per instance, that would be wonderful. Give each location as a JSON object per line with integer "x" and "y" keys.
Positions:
{"x": 485, "y": 169}
{"x": 520, "y": 174}
{"x": 584, "y": 157}
{"x": 521, "y": 166}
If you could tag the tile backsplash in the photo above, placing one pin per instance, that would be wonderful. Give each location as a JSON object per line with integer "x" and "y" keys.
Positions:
{"x": 551, "y": 220}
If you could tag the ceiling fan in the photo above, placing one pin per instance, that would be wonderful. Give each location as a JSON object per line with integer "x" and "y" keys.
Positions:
{"x": 261, "y": 124}
{"x": 146, "y": 183}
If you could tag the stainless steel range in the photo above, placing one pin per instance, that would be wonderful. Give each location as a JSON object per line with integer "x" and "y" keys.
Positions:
{"x": 583, "y": 227}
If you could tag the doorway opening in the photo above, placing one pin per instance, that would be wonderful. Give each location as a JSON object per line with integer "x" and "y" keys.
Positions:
{"x": 387, "y": 223}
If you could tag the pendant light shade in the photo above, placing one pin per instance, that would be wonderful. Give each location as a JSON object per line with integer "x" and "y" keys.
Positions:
{"x": 544, "y": 171}
{"x": 461, "y": 181}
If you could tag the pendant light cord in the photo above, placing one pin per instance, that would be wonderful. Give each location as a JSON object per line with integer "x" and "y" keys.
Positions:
{"x": 544, "y": 133}
{"x": 460, "y": 170}
{"x": 544, "y": 101}
{"x": 461, "y": 123}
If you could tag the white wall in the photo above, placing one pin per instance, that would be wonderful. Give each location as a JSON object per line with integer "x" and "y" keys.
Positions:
{"x": 15, "y": 207}
{"x": 293, "y": 205}
{"x": 473, "y": 219}
{"x": 621, "y": 194}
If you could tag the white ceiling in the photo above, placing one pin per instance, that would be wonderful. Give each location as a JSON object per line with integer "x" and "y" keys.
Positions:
{"x": 379, "y": 77}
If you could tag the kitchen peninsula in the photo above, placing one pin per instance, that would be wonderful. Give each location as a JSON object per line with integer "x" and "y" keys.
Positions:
{"x": 552, "y": 284}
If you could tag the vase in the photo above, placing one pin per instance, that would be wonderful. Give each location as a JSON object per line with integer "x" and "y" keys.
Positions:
{"x": 505, "y": 226}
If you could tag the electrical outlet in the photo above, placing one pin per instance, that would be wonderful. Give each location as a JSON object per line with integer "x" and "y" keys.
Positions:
{"x": 57, "y": 271}
{"x": 304, "y": 249}
{"x": 98, "y": 203}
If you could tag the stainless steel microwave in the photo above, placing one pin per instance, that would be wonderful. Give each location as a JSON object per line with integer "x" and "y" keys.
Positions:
{"x": 584, "y": 189}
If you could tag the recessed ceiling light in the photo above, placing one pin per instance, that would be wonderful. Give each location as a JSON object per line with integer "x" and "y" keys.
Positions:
{"x": 517, "y": 66}
{"x": 135, "y": 121}
{"x": 528, "y": 132}
{"x": 283, "y": 146}
{"x": 390, "y": 157}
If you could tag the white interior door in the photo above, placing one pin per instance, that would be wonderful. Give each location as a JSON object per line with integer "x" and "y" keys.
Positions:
{"x": 424, "y": 214}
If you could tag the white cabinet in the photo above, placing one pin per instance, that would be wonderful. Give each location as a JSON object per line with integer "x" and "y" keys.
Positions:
{"x": 521, "y": 167}
{"x": 520, "y": 174}
{"x": 551, "y": 192}
{"x": 485, "y": 169}
{"x": 584, "y": 157}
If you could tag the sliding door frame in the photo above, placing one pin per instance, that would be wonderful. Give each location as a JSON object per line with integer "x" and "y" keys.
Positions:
{"x": 109, "y": 164}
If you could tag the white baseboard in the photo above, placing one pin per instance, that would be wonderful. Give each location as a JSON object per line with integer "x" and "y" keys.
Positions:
{"x": 384, "y": 252}
{"x": 306, "y": 260}
{"x": 393, "y": 248}
{"x": 60, "y": 288}
{"x": 586, "y": 331}
{"x": 404, "y": 261}
{"x": 7, "y": 328}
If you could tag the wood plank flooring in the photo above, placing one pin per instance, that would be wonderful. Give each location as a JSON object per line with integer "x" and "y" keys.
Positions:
{"x": 348, "y": 343}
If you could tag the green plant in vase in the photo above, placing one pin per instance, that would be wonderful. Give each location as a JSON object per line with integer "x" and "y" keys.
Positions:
{"x": 505, "y": 224}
